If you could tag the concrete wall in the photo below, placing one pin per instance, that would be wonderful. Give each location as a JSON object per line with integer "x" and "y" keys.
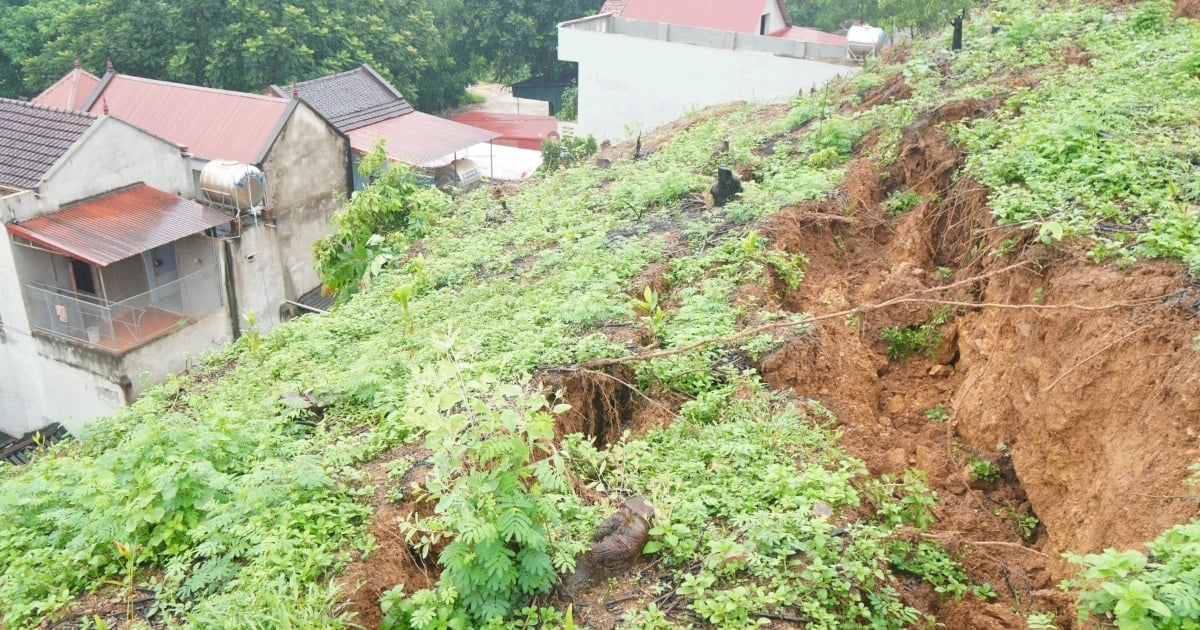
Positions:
{"x": 151, "y": 363}
{"x": 112, "y": 154}
{"x": 60, "y": 381}
{"x": 775, "y": 21}
{"x": 46, "y": 379}
{"x": 306, "y": 171}
{"x": 123, "y": 279}
{"x": 637, "y": 75}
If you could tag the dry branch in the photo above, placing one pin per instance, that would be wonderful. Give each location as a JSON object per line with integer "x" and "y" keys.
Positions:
{"x": 907, "y": 298}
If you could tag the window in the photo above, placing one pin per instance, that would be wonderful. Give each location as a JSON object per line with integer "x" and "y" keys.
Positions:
{"x": 762, "y": 24}
{"x": 82, "y": 272}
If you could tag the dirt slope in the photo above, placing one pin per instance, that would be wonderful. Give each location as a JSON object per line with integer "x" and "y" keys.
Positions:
{"x": 1078, "y": 381}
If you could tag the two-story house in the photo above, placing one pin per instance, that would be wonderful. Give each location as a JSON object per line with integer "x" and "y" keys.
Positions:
{"x": 303, "y": 157}
{"x": 108, "y": 275}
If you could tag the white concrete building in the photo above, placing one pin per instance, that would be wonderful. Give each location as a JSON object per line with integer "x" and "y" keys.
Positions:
{"x": 659, "y": 59}
{"x": 304, "y": 157}
{"x": 107, "y": 277}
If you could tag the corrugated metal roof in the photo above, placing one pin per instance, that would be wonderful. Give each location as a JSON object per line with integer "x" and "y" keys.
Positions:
{"x": 803, "y": 34}
{"x": 212, "y": 124}
{"x": 118, "y": 225}
{"x": 33, "y": 138}
{"x": 418, "y": 138}
{"x": 520, "y": 130}
{"x": 70, "y": 92}
{"x": 316, "y": 300}
{"x": 740, "y": 16}
{"x": 352, "y": 99}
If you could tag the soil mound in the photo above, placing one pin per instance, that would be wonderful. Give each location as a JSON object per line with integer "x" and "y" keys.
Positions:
{"x": 1074, "y": 382}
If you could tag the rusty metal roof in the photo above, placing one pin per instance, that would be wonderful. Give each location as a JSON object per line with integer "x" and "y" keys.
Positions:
{"x": 352, "y": 99}
{"x": 417, "y": 138}
{"x": 739, "y": 16}
{"x": 33, "y": 139}
{"x": 212, "y": 124}
{"x": 70, "y": 92}
{"x": 118, "y": 225}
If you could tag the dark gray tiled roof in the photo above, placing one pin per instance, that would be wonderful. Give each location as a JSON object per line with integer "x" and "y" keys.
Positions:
{"x": 352, "y": 99}
{"x": 33, "y": 138}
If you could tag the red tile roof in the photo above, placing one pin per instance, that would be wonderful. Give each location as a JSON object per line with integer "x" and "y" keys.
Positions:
{"x": 118, "y": 225}
{"x": 739, "y": 16}
{"x": 803, "y": 34}
{"x": 417, "y": 138}
{"x": 33, "y": 139}
{"x": 518, "y": 130}
{"x": 70, "y": 92}
{"x": 212, "y": 124}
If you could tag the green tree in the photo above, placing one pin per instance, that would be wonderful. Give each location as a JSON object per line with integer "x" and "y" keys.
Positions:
{"x": 376, "y": 225}
{"x": 25, "y": 28}
{"x": 510, "y": 40}
{"x": 833, "y": 15}
{"x": 246, "y": 44}
{"x": 922, "y": 16}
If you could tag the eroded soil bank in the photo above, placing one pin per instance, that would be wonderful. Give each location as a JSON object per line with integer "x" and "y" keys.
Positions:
{"x": 1078, "y": 383}
{"x": 1073, "y": 384}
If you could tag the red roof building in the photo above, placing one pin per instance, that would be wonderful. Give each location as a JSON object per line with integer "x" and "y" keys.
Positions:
{"x": 70, "y": 92}
{"x": 119, "y": 225}
{"x": 368, "y": 109}
{"x": 759, "y": 17}
{"x": 803, "y": 34}
{"x": 211, "y": 123}
{"x": 523, "y": 131}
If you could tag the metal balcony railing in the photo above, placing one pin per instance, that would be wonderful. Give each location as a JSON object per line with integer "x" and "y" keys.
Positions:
{"x": 119, "y": 326}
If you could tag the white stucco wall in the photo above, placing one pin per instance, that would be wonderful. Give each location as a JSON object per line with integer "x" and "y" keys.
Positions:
{"x": 112, "y": 154}
{"x": 628, "y": 84}
{"x": 42, "y": 390}
{"x": 45, "y": 379}
{"x": 775, "y": 22}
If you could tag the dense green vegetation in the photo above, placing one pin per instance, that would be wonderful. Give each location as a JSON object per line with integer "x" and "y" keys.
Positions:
{"x": 239, "y": 506}
{"x": 916, "y": 15}
{"x": 430, "y": 49}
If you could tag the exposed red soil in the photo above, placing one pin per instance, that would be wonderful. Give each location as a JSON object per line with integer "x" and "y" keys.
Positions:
{"x": 1085, "y": 374}
{"x": 1077, "y": 381}
{"x": 1187, "y": 9}
{"x": 393, "y": 561}
{"x": 894, "y": 89}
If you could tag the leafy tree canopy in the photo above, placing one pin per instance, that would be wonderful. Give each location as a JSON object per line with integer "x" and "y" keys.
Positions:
{"x": 243, "y": 45}
{"x": 917, "y": 14}
{"x": 511, "y": 40}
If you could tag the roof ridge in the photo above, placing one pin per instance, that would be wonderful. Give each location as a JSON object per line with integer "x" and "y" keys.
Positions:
{"x": 47, "y": 108}
{"x": 202, "y": 88}
{"x": 330, "y": 76}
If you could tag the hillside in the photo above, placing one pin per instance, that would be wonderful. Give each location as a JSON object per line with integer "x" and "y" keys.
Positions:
{"x": 946, "y": 335}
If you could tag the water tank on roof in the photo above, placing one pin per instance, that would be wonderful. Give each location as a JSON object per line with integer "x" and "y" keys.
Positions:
{"x": 233, "y": 185}
{"x": 461, "y": 173}
{"x": 863, "y": 41}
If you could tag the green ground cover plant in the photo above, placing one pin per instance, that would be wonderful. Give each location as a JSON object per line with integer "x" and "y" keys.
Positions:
{"x": 234, "y": 505}
{"x": 744, "y": 487}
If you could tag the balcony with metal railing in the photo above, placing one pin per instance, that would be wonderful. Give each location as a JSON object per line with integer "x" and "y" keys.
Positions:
{"x": 117, "y": 327}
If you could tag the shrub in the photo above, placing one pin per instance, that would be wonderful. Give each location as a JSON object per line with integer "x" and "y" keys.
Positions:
{"x": 558, "y": 154}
